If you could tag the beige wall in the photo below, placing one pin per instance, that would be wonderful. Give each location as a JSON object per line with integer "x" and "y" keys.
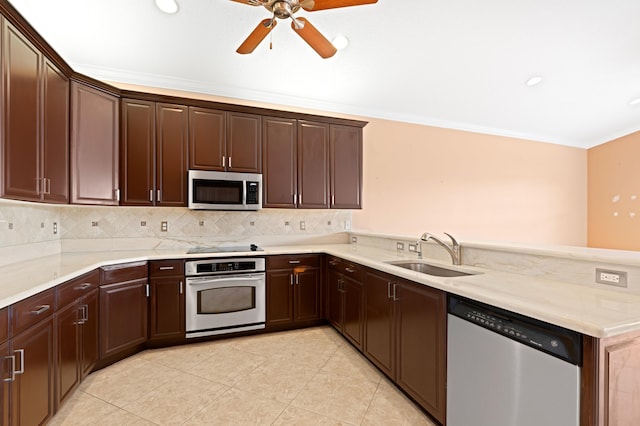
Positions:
{"x": 420, "y": 178}
{"x": 614, "y": 194}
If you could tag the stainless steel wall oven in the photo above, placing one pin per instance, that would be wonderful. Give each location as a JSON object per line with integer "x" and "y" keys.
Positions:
{"x": 224, "y": 296}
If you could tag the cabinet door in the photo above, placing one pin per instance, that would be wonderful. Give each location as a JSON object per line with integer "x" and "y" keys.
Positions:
{"x": 244, "y": 142}
{"x": 167, "y": 308}
{"x": 313, "y": 165}
{"x": 22, "y": 64}
{"x": 67, "y": 322}
{"x": 334, "y": 299}
{"x": 207, "y": 136}
{"x": 307, "y": 294}
{"x": 279, "y": 162}
{"x": 346, "y": 167}
{"x": 95, "y": 136}
{"x": 123, "y": 316}
{"x": 89, "y": 336}
{"x": 421, "y": 345}
{"x": 138, "y": 153}
{"x": 172, "y": 138}
{"x": 379, "y": 321}
{"x": 5, "y": 374}
{"x": 353, "y": 324}
{"x": 32, "y": 392}
{"x": 279, "y": 297}
{"x": 55, "y": 137}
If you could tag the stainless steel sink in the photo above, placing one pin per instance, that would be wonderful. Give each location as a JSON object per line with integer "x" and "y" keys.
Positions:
{"x": 426, "y": 268}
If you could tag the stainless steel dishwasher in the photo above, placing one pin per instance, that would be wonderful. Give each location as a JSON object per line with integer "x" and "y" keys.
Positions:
{"x": 505, "y": 369}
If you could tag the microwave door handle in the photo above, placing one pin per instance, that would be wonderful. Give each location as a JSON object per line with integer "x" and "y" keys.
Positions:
{"x": 207, "y": 280}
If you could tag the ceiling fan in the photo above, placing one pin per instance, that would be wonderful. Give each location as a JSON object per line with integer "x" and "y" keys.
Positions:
{"x": 285, "y": 9}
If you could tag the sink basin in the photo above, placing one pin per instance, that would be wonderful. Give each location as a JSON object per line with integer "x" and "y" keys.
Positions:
{"x": 426, "y": 268}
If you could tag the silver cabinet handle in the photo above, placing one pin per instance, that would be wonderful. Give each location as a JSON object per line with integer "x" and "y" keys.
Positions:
{"x": 230, "y": 166}
{"x": 389, "y": 283}
{"x": 333, "y": 200}
{"x": 117, "y": 194}
{"x": 85, "y": 313}
{"x": 333, "y": 262}
{"x": 147, "y": 290}
{"x": 48, "y": 186}
{"x": 224, "y": 161}
{"x": 159, "y": 196}
{"x": 166, "y": 268}
{"x": 350, "y": 270}
{"x": 41, "y": 309}
{"x": 12, "y": 377}
{"x": 395, "y": 294}
{"x": 294, "y": 262}
{"x": 21, "y": 371}
{"x": 83, "y": 286}
{"x": 298, "y": 279}
{"x": 291, "y": 279}
{"x": 151, "y": 195}
{"x": 181, "y": 289}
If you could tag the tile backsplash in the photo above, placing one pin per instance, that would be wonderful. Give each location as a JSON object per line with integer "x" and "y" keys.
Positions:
{"x": 27, "y": 223}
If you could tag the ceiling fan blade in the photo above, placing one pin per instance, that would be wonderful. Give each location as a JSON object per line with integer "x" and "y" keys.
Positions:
{"x": 256, "y": 36}
{"x": 250, "y": 2}
{"x": 314, "y": 38}
{"x": 313, "y": 5}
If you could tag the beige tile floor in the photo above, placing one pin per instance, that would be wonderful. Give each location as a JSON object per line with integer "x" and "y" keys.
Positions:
{"x": 302, "y": 377}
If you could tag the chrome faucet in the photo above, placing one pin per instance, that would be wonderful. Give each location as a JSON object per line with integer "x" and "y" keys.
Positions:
{"x": 454, "y": 250}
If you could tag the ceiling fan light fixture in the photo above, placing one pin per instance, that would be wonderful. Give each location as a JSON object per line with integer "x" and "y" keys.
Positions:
{"x": 534, "y": 81}
{"x": 340, "y": 42}
{"x": 635, "y": 101}
{"x": 167, "y": 6}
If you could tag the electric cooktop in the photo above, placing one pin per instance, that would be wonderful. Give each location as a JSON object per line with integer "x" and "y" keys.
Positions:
{"x": 224, "y": 249}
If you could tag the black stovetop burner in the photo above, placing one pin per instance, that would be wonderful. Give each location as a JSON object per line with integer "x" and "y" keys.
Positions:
{"x": 224, "y": 249}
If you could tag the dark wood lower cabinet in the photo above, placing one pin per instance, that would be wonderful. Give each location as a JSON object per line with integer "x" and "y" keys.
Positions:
{"x": 293, "y": 290}
{"x": 5, "y": 374}
{"x": 406, "y": 337}
{"x": 124, "y": 293}
{"x": 345, "y": 300}
{"x": 421, "y": 346}
{"x": 32, "y": 392}
{"x": 167, "y": 320}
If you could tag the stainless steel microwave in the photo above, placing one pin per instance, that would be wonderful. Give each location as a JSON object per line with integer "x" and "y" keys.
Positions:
{"x": 210, "y": 190}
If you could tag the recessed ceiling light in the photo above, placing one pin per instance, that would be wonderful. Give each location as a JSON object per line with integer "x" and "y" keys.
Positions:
{"x": 635, "y": 101}
{"x": 167, "y": 6}
{"x": 340, "y": 42}
{"x": 533, "y": 81}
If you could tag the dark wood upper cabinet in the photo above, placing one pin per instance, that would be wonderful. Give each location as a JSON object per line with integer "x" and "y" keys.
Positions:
{"x": 94, "y": 146}
{"x": 55, "y": 143}
{"x": 206, "y": 138}
{"x": 154, "y": 151}
{"x": 279, "y": 162}
{"x": 244, "y": 142}
{"x": 35, "y": 123}
{"x": 137, "y": 153}
{"x": 346, "y": 167}
{"x": 172, "y": 141}
{"x": 313, "y": 165}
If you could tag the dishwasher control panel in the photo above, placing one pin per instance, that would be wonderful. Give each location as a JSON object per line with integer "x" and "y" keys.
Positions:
{"x": 560, "y": 342}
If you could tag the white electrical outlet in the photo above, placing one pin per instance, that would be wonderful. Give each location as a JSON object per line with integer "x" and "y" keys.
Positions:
{"x": 609, "y": 277}
{"x": 413, "y": 247}
{"x": 164, "y": 226}
{"x": 303, "y": 225}
{"x": 399, "y": 246}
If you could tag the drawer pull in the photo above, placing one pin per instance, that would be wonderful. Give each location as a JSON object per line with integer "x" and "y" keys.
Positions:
{"x": 42, "y": 309}
{"x": 21, "y": 371}
{"x": 333, "y": 262}
{"x": 83, "y": 286}
{"x": 350, "y": 270}
{"x": 12, "y": 378}
{"x": 166, "y": 268}
{"x": 294, "y": 262}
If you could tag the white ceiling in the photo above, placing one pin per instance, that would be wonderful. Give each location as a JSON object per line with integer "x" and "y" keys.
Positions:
{"x": 455, "y": 63}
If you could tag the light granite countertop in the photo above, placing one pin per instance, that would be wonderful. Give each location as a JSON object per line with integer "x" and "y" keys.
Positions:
{"x": 592, "y": 311}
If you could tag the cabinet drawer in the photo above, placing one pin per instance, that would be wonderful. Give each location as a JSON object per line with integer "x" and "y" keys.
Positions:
{"x": 348, "y": 269}
{"x": 165, "y": 268}
{"x": 285, "y": 262}
{"x": 32, "y": 310}
{"x": 77, "y": 287}
{"x": 123, "y": 272}
{"x": 4, "y": 324}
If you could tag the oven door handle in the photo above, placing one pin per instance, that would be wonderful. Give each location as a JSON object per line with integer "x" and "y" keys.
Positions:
{"x": 207, "y": 280}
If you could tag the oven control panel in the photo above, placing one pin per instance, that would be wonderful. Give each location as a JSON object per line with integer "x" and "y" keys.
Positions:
{"x": 223, "y": 266}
